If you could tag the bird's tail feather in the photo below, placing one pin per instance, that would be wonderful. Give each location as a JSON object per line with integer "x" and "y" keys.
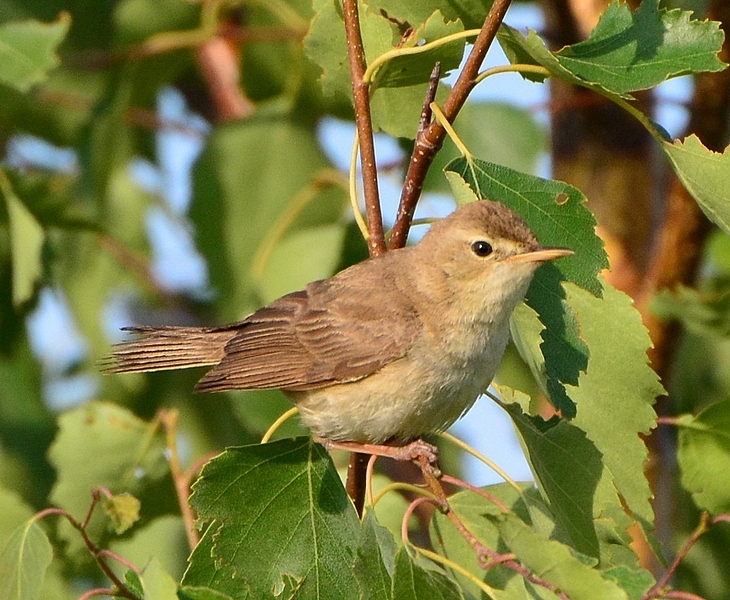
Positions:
{"x": 162, "y": 348}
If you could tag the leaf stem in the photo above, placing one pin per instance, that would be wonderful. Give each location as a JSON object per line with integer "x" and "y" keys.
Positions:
{"x": 325, "y": 178}
{"x": 98, "y": 553}
{"x": 454, "y": 566}
{"x": 429, "y": 141}
{"x": 460, "y": 145}
{"x": 400, "y": 486}
{"x": 278, "y": 423}
{"x": 97, "y": 592}
{"x": 486, "y": 460}
{"x": 354, "y": 200}
{"x": 472, "y": 488}
{"x": 515, "y": 68}
{"x": 396, "y": 52}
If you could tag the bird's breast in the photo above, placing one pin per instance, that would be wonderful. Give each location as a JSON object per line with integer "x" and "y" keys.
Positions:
{"x": 425, "y": 391}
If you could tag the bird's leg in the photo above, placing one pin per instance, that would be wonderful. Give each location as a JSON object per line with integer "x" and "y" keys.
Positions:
{"x": 416, "y": 451}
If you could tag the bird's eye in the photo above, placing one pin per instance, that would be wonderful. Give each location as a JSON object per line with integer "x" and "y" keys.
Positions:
{"x": 482, "y": 248}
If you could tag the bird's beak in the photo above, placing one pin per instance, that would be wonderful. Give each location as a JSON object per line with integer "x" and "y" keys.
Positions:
{"x": 542, "y": 255}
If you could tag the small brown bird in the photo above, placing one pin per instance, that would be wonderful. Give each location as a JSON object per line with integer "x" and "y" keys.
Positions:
{"x": 385, "y": 351}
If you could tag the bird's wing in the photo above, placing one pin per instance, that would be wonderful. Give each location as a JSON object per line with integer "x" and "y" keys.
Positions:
{"x": 335, "y": 331}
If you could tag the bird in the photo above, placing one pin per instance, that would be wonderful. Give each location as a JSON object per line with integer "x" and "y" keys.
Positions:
{"x": 384, "y": 352}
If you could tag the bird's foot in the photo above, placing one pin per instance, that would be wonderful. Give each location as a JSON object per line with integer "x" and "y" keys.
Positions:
{"x": 417, "y": 450}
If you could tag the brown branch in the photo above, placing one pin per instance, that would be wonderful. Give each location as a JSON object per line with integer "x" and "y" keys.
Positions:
{"x": 120, "y": 589}
{"x": 356, "y": 479}
{"x": 429, "y": 141}
{"x": 169, "y": 420}
{"x": 363, "y": 121}
{"x": 356, "y": 476}
{"x": 486, "y": 557}
{"x": 658, "y": 588}
{"x": 426, "y": 111}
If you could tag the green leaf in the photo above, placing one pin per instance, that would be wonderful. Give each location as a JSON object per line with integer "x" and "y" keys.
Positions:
{"x": 567, "y": 467}
{"x": 604, "y": 432}
{"x": 635, "y": 582}
{"x": 471, "y": 12}
{"x": 374, "y": 563}
{"x": 395, "y": 110}
{"x": 626, "y": 51}
{"x": 556, "y": 213}
{"x": 705, "y": 174}
{"x": 157, "y": 583}
{"x": 554, "y": 562}
{"x": 26, "y": 244}
{"x": 28, "y": 50}
{"x": 200, "y": 593}
{"x": 616, "y": 393}
{"x": 473, "y": 509}
{"x": 312, "y": 262}
{"x": 554, "y": 210}
{"x": 24, "y": 561}
{"x": 326, "y": 45}
{"x": 133, "y": 582}
{"x": 160, "y": 536}
{"x": 282, "y": 522}
{"x": 414, "y": 582}
{"x": 707, "y": 315}
{"x": 704, "y": 456}
{"x": 564, "y": 350}
{"x": 205, "y": 571}
{"x": 282, "y": 194}
{"x": 102, "y": 444}
{"x": 123, "y": 510}
{"x": 410, "y": 69}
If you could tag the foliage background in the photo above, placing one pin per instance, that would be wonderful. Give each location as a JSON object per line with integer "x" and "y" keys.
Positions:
{"x": 269, "y": 213}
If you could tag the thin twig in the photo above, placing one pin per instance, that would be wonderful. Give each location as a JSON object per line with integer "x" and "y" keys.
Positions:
{"x": 658, "y": 589}
{"x": 98, "y": 553}
{"x": 433, "y": 84}
{"x": 680, "y": 595}
{"x": 361, "y": 99}
{"x": 472, "y": 488}
{"x": 356, "y": 477}
{"x": 120, "y": 559}
{"x": 487, "y": 557}
{"x": 97, "y": 592}
{"x": 169, "y": 419}
{"x": 130, "y": 260}
{"x": 428, "y": 143}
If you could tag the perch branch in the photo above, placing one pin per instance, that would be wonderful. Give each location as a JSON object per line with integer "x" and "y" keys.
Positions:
{"x": 429, "y": 141}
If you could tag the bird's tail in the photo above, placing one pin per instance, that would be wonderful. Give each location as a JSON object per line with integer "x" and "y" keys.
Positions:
{"x": 162, "y": 348}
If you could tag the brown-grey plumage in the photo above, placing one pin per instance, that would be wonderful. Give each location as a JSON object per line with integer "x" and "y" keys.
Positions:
{"x": 393, "y": 347}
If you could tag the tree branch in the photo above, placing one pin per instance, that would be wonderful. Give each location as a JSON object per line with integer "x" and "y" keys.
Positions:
{"x": 430, "y": 140}
{"x": 363, "y": 121}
